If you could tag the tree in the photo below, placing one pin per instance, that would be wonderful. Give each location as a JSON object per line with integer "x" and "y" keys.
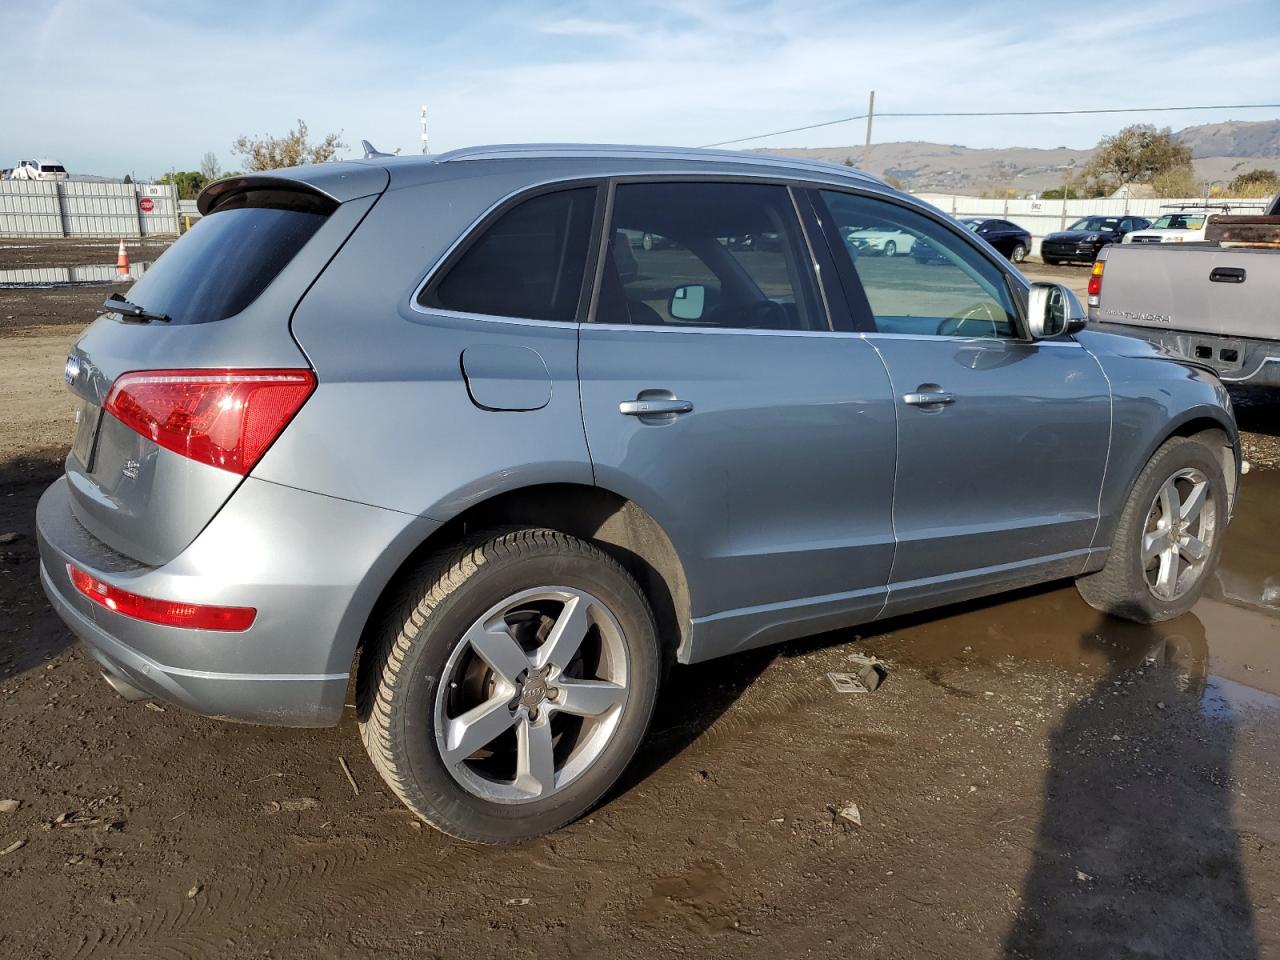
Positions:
{"x": 1137, "y": 154}
{"x": 1255, "y": 183}
{"x": 210, "y": 169}
{"x": 291, "y": 150}
{"x": 1176, "y": 182}
{"x": 190, "y": 183}
{"x": 128, "y": 179}
{"x": 1056, "y": 193}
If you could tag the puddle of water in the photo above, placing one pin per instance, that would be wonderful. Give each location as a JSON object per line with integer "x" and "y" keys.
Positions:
{"x": 1226, "y": 650}
{"x": 70, "y": 276}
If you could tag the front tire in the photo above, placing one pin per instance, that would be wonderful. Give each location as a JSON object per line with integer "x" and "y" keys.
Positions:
{"x": 510, "y": 686}
{"x": 891, "y": 249}
{"x": 1168, "y": 539}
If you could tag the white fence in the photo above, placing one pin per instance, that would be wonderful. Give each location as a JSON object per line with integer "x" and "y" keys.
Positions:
{"x": 87, "y": 208}
{"x": 1042, "y": 217}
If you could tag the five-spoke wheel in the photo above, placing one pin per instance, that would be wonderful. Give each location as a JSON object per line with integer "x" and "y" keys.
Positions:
{"x": 510, "y": 684}
{"x": 532, "y": 694}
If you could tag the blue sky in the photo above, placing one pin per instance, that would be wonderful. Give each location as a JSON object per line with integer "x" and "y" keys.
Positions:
{"x": 109, "y": 87}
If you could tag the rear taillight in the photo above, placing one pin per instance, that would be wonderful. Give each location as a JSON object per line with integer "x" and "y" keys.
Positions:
{"x": 225, "y": 418}
{"x": 1095, "y": 283}
{"x": 169, "y": 613}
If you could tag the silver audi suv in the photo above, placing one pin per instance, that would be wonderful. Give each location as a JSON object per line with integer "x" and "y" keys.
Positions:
{"x": 500, "y": 436}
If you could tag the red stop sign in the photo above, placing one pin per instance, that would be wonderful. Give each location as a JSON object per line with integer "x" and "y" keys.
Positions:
{"x": 146, "y": 204}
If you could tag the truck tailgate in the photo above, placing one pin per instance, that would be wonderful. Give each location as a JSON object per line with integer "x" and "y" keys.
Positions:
{"x": 1191, "y": 287}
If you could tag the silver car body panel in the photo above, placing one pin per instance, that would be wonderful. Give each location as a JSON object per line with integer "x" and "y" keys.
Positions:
{"x": 800, "y": 492}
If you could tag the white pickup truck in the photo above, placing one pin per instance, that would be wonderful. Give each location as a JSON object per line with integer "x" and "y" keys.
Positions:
{"x": 1215, "y": 302}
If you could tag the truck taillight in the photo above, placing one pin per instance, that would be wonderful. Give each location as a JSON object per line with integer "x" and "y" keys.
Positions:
{"x": 225, "y": 418}
{"x": 1095, "y": 283}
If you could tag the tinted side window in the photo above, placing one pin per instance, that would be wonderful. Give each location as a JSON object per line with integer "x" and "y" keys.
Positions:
{"x": 529, "y": 263}
{"x": 708, "y": 254}
{"x": 945, "y": 287}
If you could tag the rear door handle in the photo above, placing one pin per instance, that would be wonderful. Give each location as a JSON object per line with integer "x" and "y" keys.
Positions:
{"x": 1227, "y": 275}
{"x": 656, "y": 407}
{"x": 928, "y": 398}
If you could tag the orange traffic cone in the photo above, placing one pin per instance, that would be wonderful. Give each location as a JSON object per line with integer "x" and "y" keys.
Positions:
{"x": 122, "y": 262}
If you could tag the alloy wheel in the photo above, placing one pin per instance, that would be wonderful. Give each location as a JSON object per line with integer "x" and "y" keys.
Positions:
{"x": 1178, "y": 537}
{"x": 532, "y": 694}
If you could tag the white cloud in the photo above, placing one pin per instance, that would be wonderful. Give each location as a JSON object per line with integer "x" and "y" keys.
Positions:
{"x": 128, "y": 85}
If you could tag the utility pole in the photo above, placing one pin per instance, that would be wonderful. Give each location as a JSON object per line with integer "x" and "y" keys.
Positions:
{"x": 423, "y": 117}
{"x": 871, "y": 112}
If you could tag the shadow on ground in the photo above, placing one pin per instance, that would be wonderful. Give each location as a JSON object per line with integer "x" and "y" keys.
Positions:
{"x": 30, "y": 635}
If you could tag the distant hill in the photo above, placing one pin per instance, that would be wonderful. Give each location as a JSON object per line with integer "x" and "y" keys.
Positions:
{"x": 1219, "y": 151}
{"x": 1233, "y": 139}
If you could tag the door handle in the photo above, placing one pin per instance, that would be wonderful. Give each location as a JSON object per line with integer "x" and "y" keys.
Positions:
{"x": 656, "y": 407}
{"x": 1226, "y": 275}
{"x": 928, "y": 398}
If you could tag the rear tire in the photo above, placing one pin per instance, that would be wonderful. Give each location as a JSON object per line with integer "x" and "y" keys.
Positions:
{"x": 510, "y": 685}
{"x": 1168, "y": 539}
{"x": 891, "y": 249}
{"x": 1019, "y": 254}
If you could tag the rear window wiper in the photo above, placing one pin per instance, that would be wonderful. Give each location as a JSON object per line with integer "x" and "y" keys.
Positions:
{"x": 131, "y": 311}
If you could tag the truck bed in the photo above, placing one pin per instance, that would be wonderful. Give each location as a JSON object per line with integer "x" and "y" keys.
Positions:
{"x": 1217, "y": 305}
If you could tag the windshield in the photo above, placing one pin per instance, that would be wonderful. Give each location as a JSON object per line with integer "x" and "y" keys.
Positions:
{"x": 1095, "y": 223}
{"x": 973, "y": 224}
{"x": 1179, "y": 221}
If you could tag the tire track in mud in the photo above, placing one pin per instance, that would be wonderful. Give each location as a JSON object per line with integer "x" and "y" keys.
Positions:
{"x": 362, "y": 876}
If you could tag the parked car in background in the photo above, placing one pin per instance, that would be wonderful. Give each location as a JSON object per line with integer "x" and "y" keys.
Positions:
{"x": 38, "y": 170}
{"x": 1185, "y": 226}
{"x": 1081, "y": 242}
{"x": 545, "y": 469}
{"x": 5, "y": 173}
{"x": 879, "y": 241}
{"x": 1009, "y": 238}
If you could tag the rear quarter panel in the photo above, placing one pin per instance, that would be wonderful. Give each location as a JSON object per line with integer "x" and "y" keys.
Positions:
{"x": 391, "y": 422}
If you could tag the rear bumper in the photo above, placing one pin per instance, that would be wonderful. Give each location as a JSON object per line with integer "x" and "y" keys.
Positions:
{"x": 1236, "y": 360}
{"x": 312, "y": 566}
{"x": 280, "y": 700}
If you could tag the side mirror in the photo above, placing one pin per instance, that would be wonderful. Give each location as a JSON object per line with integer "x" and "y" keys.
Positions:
{"x": 688, "y": 303}
{"x": 1053, "y": 310}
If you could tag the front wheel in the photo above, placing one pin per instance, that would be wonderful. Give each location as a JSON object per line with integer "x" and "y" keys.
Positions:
{"x": 510, "y": 686}
{"x": 891, "y": 249}
{"x": 1168, "y": 539}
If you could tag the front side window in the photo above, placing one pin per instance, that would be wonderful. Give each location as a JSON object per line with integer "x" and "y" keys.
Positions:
{"x": 944, "y": 287}
{"x": 529, "y": 263}
{"x": 707, "y": 255}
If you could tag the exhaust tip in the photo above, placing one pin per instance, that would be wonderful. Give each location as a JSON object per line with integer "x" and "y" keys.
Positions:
{"x": 124, "y": 687}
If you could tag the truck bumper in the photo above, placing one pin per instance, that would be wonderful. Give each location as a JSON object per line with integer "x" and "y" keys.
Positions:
{"x": 1236, "y": 360}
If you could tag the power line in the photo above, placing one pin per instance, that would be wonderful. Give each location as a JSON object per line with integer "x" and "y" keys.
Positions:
{"x": 1000, "y": 113}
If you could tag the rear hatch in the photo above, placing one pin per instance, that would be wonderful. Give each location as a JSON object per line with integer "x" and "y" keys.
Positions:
{"x": 175, "y": 406}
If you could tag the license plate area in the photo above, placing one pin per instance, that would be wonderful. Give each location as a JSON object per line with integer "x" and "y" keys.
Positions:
{"x": 87, "y": 417}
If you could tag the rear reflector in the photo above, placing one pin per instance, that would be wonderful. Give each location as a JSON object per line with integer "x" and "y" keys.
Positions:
{"x": 168, "y": 613}
{"x": 225, "y": 418}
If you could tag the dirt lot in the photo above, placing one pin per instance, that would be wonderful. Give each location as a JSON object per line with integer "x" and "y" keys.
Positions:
{"x": 1032, "y": 780}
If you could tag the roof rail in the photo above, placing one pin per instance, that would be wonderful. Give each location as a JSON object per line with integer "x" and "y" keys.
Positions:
{"x": 513, "y": 151}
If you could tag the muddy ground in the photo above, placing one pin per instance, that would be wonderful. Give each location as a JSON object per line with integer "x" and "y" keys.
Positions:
{"x": 1032, "y": 780}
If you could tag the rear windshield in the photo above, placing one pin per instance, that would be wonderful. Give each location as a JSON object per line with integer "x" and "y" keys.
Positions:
{"x": 221, "y": 265}
{"x": 53, "y": 168}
